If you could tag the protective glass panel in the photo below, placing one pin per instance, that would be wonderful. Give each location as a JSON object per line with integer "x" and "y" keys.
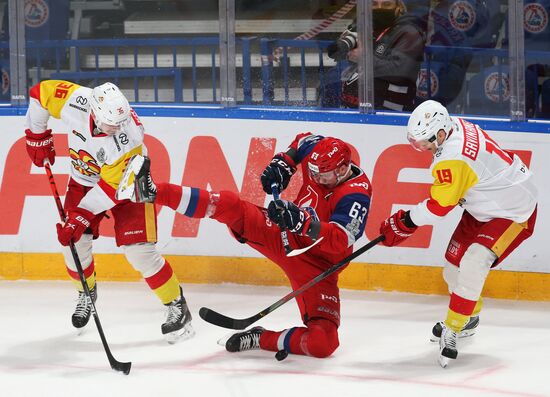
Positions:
{"x": 282, "y": 54}
{"x": 536, "y": 25}
{"x": 466, "y": 60}
{"x": 155, "y": 51}
{"x": 5, "y": 82}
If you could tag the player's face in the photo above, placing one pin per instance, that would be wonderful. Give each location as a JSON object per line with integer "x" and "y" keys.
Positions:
{"x": 106, "y": 128}
{"x": 425, "y": 145}
{"x": 421, "y": 146}
{"x": 327, "y": 179}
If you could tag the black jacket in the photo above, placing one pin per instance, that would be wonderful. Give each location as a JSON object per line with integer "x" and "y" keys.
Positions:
{"x": 398, "y": 54}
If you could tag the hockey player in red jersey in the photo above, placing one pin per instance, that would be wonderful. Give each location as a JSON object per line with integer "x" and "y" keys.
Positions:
{"x": 495, "y": 189}
{"x": 330, "y": 209}
{"x": 106, "y": 132}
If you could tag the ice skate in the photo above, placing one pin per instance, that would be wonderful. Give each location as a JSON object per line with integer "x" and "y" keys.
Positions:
{"x": 247, "y": 340}
{"x": 178, "y": 321}
{"x": 136, "y": 183}
{"x": 447, "y": 346}
{"x": 83, "y": 309}
{"x": 469, "y": 329}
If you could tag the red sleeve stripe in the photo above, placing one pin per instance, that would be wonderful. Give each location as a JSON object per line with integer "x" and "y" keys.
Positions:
{"x": 435, "y": 208}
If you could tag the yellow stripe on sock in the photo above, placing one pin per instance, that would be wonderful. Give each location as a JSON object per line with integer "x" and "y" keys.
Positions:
{"x": 90, "y": 281}
{"x": 478, "y": 307}
{"x": 169, "y": 291}
{"x": 456, "y": 321}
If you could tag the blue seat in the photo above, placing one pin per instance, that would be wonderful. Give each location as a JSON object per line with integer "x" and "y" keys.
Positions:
{"x": 489, "y": 92}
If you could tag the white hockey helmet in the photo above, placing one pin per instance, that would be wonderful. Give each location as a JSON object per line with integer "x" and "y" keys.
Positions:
{"x": 425, "y": 122}
{"x": 109, "y": 105}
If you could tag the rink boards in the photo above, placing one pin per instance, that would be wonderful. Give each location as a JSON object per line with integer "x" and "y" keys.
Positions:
{"x": 230, "y": 154}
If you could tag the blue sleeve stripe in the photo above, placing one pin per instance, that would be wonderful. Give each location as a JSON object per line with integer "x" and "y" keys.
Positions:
{"x": 193, "y": 201}
{"x": 341, "y": 212}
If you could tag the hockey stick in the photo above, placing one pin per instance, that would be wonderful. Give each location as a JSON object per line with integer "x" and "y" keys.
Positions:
{"x": 220, "y": 320}
{"x": 116, "y": 365}
{"x": 284, "y": 235}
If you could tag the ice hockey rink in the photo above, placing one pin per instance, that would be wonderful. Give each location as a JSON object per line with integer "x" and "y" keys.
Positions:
{"x": 384, "y": 350}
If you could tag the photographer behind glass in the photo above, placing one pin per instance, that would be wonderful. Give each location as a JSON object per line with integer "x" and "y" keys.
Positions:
{"x": 398, "y": 46}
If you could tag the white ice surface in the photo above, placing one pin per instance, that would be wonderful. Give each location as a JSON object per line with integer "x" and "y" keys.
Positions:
{"x": 384, "y": 347}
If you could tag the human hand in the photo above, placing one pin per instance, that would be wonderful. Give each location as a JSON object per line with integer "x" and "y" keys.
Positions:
{"x": 394, "y": 229}
{"x": 279, "y": 171}
{"x": 40, "y": 147}
{"x": 79, "y": 220}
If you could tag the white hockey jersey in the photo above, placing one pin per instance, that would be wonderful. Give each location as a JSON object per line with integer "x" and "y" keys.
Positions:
{"x": 471, "y": 170}
{"x": 97, "y": 160}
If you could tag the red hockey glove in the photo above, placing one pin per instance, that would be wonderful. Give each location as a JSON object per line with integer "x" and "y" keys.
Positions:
{"x": 40, "y": 147}
{"x": 79, "y": 220}
{"x": 395, "y": 230}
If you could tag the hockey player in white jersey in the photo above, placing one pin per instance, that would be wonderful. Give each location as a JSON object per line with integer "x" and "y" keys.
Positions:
{"x": 496, "y": 191}
{"x": 105, "y": 133}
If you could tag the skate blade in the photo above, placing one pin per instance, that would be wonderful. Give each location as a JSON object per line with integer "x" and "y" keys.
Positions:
{"x": 444, "y": 361}
{"x": 80, "y": 331}
{"x": 187, "y": 332}
{"x": 223, "y": 340}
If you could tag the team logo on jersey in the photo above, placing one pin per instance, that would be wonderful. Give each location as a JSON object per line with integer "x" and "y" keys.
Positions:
{"x": 497, "y": 87}
{"x": 462, "y": 15}
{"x": 37, "y": 13}
{"x": 422, "y": 84}
{"x": 535, "y": 18}
{"x": 123, "y": 138}
{"x": 101, "y": 155}
{"x": 84, "y": 163}
{"x": 310, "y": 199}
{"x": 5, "y": 81}
{"x": 78, "y": 134}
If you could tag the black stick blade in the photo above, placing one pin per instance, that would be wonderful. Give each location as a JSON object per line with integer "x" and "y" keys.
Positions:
{"x": 213, "y": 317}
{"x": 122, "y": 367}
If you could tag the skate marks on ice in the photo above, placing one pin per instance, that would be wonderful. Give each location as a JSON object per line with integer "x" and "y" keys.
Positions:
{"x": 384, "y": 346}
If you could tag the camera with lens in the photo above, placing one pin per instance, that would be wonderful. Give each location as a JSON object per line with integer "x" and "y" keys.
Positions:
{"x": 344, "y": 44}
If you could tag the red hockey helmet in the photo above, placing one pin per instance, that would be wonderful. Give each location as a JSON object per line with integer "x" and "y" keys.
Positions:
{"x": 329, "y": 154}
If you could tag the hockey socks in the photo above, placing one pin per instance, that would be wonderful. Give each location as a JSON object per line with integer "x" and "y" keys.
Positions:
{"x": 319, "y": 339}
{"x": 89, "y": 274}
{"x": 189, "y": 201}
{"x": 164, "y": 284}
{"x": 460, "y": 310}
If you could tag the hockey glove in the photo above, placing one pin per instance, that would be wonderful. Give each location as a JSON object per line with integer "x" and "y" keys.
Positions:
{"x": 397, "y": 228}
{"x": 288, "y": 215}
{"x": 79, "y": 220}
{"x": 40, "y": 147}
{"x": 279, "y": 171}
